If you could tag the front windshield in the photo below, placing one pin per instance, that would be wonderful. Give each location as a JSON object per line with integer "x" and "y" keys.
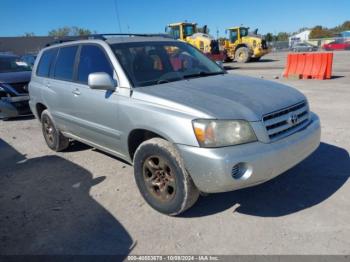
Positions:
{"x": 152, "y": 63}
{"x": 12, "y": 64}
{"x": 243, "y": 31}
{"x": 188, "y": 30}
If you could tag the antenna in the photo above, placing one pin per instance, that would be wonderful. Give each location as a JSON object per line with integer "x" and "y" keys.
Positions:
{"x": 117, "y": 15}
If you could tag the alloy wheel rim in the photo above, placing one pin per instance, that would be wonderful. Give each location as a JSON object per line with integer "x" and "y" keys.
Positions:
{"x": 49, "y": 130}
{"x": 159, "y": 178}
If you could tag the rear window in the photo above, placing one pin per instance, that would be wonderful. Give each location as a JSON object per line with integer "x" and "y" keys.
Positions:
{"x": 64, "y": 66}
{"x": 45, "y": 62}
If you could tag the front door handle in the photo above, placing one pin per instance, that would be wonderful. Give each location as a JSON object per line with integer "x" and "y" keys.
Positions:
{"x": 76, "y": 92}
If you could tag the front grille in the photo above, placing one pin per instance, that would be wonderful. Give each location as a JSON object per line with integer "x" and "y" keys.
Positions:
{"x": 286, "y": 121}
{"x": 21, "y": 88}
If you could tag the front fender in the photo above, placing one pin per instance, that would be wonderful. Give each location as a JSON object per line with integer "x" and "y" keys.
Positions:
{"x": 173, "y": 125}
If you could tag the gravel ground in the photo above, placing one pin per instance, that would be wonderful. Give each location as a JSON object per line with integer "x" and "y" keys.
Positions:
{"x": 83, "y": 201}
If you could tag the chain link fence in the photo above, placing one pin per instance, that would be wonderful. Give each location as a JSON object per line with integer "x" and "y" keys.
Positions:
{"x": 280, "y": 46}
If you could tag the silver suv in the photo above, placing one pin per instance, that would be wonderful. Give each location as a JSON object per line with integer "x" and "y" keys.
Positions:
{"x": 185, "y": 124}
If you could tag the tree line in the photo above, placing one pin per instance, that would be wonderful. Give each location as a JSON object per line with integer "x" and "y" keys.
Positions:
{"x": 316, "y": 32}
{"x": 66, "y": 31}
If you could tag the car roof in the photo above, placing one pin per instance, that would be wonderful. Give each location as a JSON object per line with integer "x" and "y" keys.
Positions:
{"x": 114, "y": 39}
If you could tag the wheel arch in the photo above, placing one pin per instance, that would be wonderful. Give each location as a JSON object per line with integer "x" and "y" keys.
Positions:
{"x": 40, "y": 107}
{"x": 241, "y": 45}
{"x": 138, "y": 135}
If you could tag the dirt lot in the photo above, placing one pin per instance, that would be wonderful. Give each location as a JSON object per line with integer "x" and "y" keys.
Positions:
{"x": 85, "y": 202}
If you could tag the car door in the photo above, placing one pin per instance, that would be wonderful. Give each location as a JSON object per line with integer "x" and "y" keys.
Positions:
{"x": 337, "y": 46}
{"x": 60, "y": 86}
{"x": 302, "y": 47}
{"x": 96, "y": 111}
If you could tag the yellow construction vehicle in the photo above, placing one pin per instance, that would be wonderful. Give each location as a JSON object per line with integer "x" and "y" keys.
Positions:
{"x": 243, "y": 46}
{"x": 189, "y": 33}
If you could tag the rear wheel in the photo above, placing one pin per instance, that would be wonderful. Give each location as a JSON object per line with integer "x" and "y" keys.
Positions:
{"x": 162, "y": 178}
{"x": 242, "y": 55}
{"x": 53, "y": 137}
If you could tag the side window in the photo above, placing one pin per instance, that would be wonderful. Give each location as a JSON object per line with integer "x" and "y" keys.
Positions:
{"x": 175, "y": 32}
{"x": 64, "y": 66}
{"x": 233, "y": 36}
{"x": 45, "y": 62}
{"x": 92, "y": 60}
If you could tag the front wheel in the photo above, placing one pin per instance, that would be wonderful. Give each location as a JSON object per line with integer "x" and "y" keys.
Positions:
{"x": 162, "y": 179}
{"x": 242, "y": 55}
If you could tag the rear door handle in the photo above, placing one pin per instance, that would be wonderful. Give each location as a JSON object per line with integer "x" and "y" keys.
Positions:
{"x": 76, "y": 92}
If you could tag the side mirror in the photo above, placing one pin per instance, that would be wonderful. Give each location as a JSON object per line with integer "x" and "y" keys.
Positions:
{"x": 101, "y": 81}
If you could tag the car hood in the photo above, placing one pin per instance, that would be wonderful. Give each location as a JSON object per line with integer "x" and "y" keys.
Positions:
{"x": 227, "y": 96}
{"x": 15, "y": 77}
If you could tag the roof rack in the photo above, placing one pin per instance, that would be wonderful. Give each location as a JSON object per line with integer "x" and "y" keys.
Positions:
{"x": 60, "y": 41}
{"x": 104, "y": 37}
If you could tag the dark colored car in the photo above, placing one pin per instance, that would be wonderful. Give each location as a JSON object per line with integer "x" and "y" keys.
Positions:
{"x": 303, "y": 47}
{"x": 14, "y": 78}
{"x": 337, "y": 45}
{"x": 29, "y": 59}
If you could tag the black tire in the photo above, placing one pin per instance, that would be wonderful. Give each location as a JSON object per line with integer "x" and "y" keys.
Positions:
{"x": 53, "y": 137}
{"x": 242, "y": 55}
{"x": 255, "y": 59}
{"x": 164, "y": 183}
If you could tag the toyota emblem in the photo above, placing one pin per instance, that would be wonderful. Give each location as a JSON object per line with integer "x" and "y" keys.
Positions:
{"x": 293, "y": 119}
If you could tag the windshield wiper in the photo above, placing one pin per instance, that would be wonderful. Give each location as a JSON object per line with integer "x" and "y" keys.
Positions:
{"x": 202, "y": 73}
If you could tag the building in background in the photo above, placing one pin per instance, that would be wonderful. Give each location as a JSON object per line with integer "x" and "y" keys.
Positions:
{"x": 345, "y": 34}
{"x": 300, "y": 37}
{"x": 27, "y": 45}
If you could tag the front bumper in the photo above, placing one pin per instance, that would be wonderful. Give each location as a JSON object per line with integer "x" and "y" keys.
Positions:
{"x": 211, "y": 168}
{"x": 17, "y": 106}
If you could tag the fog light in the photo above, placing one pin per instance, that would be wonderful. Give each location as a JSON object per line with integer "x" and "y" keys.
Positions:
{"x": 241, "y": 171}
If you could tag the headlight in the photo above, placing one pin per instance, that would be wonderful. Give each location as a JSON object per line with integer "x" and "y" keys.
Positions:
{"x": 219, "y": 133}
